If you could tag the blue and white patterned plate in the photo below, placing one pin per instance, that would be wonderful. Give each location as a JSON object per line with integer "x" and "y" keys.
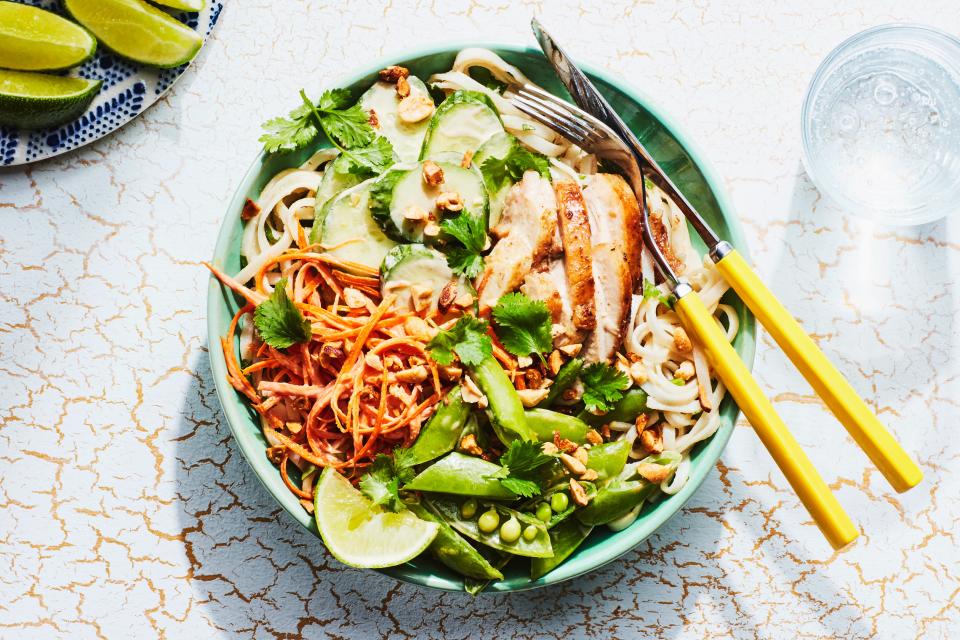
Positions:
{"x": 128, "y": 88}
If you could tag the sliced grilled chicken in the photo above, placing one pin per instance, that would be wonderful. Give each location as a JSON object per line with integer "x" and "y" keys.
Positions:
{"x": 613, "y": 291}
{"x": 616, "y": 238}
{"x": 527, "y": 232}
{"x": 577, "y": 253}
{"x": 550, "y": 283}
{"x": 668, "y": 224}
{"x": 615, "y": 217}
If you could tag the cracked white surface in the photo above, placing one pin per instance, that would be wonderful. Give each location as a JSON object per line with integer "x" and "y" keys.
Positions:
{"x": 126, "y": 510}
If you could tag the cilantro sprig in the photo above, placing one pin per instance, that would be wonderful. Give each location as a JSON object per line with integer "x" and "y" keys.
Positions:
{"x": 362, "y": 150}
{"x": 519, "y": 462}
{"x": 381, "y": 483}
{"x": 465, "y": 255}
{"x": 603, "y": 386}
{"x": 650, "y": 290}
{"x": 278, "y": 320}
{"x": 500, "y": 172}
{"x": 467, "y": 339}
{"x": 523, "y": 325}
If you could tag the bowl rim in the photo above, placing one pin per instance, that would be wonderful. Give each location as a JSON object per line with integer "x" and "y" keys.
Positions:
{"x": 624, "y": 540}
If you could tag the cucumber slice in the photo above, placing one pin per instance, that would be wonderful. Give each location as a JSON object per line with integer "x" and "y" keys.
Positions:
{"x": 347, "y": 230}
{"x": 332, "y": 183}
{"x": 401, "y": 188}
{"x": 406, "y": 138}
{"x": 415, "y": 264}
{"x": 464, "y": 121}
{"x": 499, "y": 146}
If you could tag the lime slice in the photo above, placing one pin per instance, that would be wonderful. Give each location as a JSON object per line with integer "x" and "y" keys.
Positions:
{"x": 135, "y": 30}
{"x": 361, "y": 535}
{"x": 32, "y": 39}
{"x": 184, "y": 5}
{"x": 36, "y": 100}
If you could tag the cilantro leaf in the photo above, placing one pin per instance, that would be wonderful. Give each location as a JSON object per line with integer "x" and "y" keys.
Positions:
{"x": 372, "y": 159}
{"x": 279, "y": 321}
{"x": 523, "y": 325}
{"x": 349, "y": 126}
{"x": 518, "y": 462}
{"x": 467, "y": 339}
{"x": 470, "y": 231}
{"x": 294, "y": 132}
{"x": 650, "y": 290}
{"x": 334, "y": 99}
{"x": 603, "y": 386}
{"x": 500, "y": 172}
{"x": 381, "y": 483}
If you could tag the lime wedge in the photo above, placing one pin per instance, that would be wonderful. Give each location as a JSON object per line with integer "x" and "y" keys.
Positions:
{"x": 361, "y": 535}
{"x": 135, "y": 30}
{"x": 184, "y": 5}
{"x": 36, "y": 100}
{"x": 32, "y": 39}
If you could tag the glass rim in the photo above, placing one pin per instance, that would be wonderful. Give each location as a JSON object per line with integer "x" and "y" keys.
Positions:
{"x": 946, "y": 43}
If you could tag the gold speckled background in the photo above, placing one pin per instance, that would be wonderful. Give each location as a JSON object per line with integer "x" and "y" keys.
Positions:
{"x": 126, "y": 511}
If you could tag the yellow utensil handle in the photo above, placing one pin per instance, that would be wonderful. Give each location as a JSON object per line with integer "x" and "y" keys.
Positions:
{"x": 861, "y": 423}
{"x": 783, "y": 447}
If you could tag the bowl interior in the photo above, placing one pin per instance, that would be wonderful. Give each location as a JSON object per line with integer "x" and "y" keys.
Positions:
{"x": 678, "y": 159}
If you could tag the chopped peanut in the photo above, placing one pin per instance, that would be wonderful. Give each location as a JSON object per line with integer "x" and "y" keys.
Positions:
{"x": 563, "y": 444}
{"x": 571, "y": 349}
{"x": 550, "y": 449}
{"x": 532, "y": 397}
{"x": 652, "y": 439}
{"x": 392, "y": 362}
{"x": 524, "y": 361}
{"x": 638, "y": 373}
{"x": 416, "y": 326}
{"x": 573, "y": 465}
{"x": 431, "y": 230}
{"x": 403, "y": 87}
{"x": 471, "y": 393}
{"x": 578, "y": 493}
{"x": 655, "y": 473}
{"x": 432, "y": 173}
{"x": 468, "y": 444}
{"x": 373, "y": 361}
{"x": 555, "y": 361}
{"x": 422, "y": 296}
{"x": 450, "y": 372}
{"x": 415, "y": 213}
{"x": 447, "y": 294}
{"x": 250, "y": 210}
{"x": 415, "y": 108}
{"x": 685, "y": 371}
{"x": 465, "y": 299}
{"x": 393, "y": 73}
{"x": 450, "y": 200}
{"x": 373, "y": 120}
{"x": 294, "y": 427}
{"x": 593, "y": 437}
{"x": 681, "y": 341}
{"x": 589, "y": 475}
{"x": 581, "y": 455}
{"x": 354, "y": 298}
{"x": 533, "y": 378}
{"x": 413, "y": 374}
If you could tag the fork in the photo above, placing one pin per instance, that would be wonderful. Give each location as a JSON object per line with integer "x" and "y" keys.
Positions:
{"x": 593, "y": 136}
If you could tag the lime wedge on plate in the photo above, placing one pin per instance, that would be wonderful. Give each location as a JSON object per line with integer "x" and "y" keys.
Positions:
{"x": 184, "y": 5}
{"x": 137, "y": 31}
{"x": 36, "y": 100}
{"x": 364, "y": 536}
{"x": 32, "y": 39}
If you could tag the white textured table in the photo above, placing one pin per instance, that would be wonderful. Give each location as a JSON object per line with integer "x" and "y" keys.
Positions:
{"x": 126, "y": 510}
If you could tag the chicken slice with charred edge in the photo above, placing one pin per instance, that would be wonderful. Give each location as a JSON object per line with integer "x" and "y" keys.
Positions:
{"x": 526, "y": 232}
{"x": 615, "y": 217}
{"x": 577, "y": 253}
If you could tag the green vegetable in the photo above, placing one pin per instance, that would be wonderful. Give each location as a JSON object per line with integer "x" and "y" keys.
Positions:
{"x": 650, "y": 290}
{"x": 278, "y": 320}
{"x": 462, "y": 475}
{"x": 559, "y": 501}
{"x": 544, "y": 422}
{"x": 603, "y": 386}
{"x": 529, "y": 533}
{"x": 520, "y": 460}
{"x": 510, "y": 530}
{"x": 467, "y": 339}
{"x": 453, "y": 551}
{"x": 488, "y": 521}
{"x": 539, "y": 547}
{"x": 498, "y": 172}
{"x": 523, "y": 325}
{"x": 614, "y": 501}
{"x": 468, "y": 509}
{"x": 442, "y": 431}
{"x": 564, "y": 539}
{"x": 608, "y": 459}
{"x": 381, "y": 483}
{"x": 506, "y": 411}
{"x": 544, "y": 512}
{"x": 566, "y": 376}
{"x": 627, "y": 409}
{"x": 470, "y": 231}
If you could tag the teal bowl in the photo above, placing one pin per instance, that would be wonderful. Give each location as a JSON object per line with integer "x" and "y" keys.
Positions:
{"x": 678, "y": 157}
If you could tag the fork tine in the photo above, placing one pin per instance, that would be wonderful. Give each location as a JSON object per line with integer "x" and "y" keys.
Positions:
{"x": 570, "y": 119}
{"x": 536, "y": 111}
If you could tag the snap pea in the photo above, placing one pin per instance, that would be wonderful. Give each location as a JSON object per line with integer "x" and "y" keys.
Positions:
{"x": 450, "y": 549}
{"x": 544, "y": 422}
{"x": 564, "y": 379}
{"x": 608, "y": 459}
{"x": 564, "y": 538}
{"x": 506, "y": 411}
{"x": 614, "y": 500}
{"x": 488, "y": 521}
{"x": 442, "y": 431}
{"x": 559, "y": 501}
{"x": 539, "y": 547}
{"x": 474, "y": 586}
{"x": 462, "y": 475}
{"x": 510, "y": 531}
{"x": 631, "y": 405}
